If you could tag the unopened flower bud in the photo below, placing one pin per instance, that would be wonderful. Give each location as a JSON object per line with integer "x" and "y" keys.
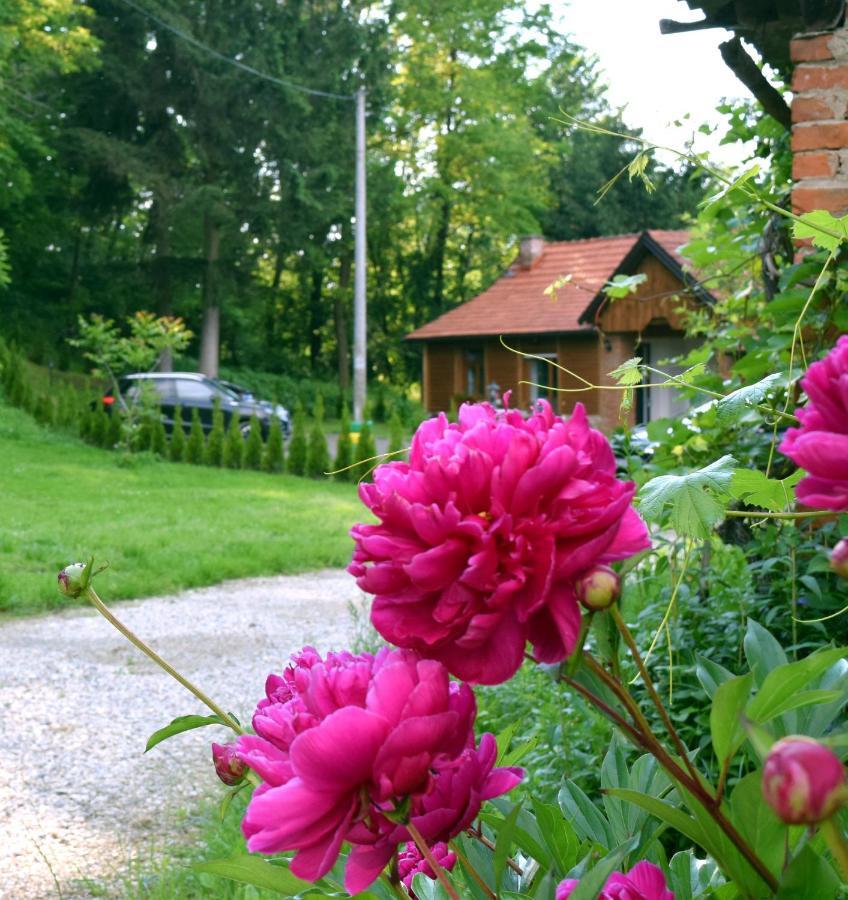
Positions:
{"x": 839, "y": 558}
{"x": 803, "y": 781}
{"x": 229, "y": 768}
{"x": 72, "y": 580}
{"x": 599, "y": 588}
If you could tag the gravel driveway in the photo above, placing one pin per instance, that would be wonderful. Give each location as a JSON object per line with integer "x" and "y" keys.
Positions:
{"x": 78, "y": 797}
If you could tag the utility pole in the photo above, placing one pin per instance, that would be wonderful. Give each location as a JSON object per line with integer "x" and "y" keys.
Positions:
{"x": 359, "y": 316}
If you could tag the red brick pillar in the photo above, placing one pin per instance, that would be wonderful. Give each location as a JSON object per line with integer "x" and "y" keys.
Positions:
{"x": 820, "y": 121}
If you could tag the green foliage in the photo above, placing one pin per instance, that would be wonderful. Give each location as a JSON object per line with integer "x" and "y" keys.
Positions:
{"x": 296, "y": 462}
{"x": 273, "y": 459}
{"x": 214, "y": 454}
{"x": 396, "y": 436}
{"x": 233, "y": 454}
{"x": 178, "y": 437}
{"x": 344, "y": 450}
{"x": 178, "y": 726}
{"x": 195, "y": 446}
{"x": 366, "y": 450}
{"x": 317, "y": 454}
{"x": 318, "y": 408}
{"x": 253, "y": 449}
{"x": 158, "y": 437}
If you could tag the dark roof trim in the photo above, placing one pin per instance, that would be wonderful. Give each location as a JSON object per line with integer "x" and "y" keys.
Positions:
{"x": 643, "y": 247}
{"x": 496, "y": 335}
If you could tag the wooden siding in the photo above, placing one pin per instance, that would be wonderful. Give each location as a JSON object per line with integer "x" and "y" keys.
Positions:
{"x": 440, "y": 368}
{"x": 621, "y": 348}
{"x": 654, "y": 300}
{"x": 579, "y": 354}
{"x": 502, "y": 366}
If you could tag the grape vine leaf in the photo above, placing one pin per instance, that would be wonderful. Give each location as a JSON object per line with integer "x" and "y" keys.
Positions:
{"x": 753, "y": 487}
{"x": 697, "y": 501}
{"x": 622, "y": 285}
{"x": 628, "y": 374}
{"x": 729, "y": 408}
{"x": 823, "y": 229}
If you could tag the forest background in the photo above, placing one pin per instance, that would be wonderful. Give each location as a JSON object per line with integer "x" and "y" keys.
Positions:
{"x": 143, "y": 171}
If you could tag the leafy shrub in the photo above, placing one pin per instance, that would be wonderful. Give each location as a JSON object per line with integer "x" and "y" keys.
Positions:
{"x": 233, "y": 454}
{"x": 366, "y": 450}
{"x": 178, "y": 438}
{"x": 195, "y": 447}
{"x": 253, "y": 446}
{"x": 344, "y": 450}
{"x": 158, "y": 437}
{"x": 298, "y": 444}
{"x": 317, "y": 454}
{"x": 215, "y": 439}
{"x": 273, "y": 459}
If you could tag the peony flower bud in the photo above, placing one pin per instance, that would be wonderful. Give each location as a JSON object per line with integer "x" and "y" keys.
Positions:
{"x": 839, "y": 558}
{"x": 72, "y": 580}
{"x": 803, "y": 781}
{"x": 229, "y": 768}
{"x": 599, "y": 588}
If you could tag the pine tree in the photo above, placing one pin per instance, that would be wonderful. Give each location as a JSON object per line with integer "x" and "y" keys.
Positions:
{"x": 297, "y": 444}
{"x": 158, "y": 438}
{"x": 253, "y": 447}
{"x": 344, "y": 450}
{"x": 396, "y": 436}
{"x": 195, "y": 446}
{"x": 233, "y": 445}
{"x": 273, "y": 460}
{"x": 178, "y": 438}
{"x": 365, "y": 451}
{"x": 215, "y": 439}
{"x": 317, "y": 454}
{"x": 318, "y": 410}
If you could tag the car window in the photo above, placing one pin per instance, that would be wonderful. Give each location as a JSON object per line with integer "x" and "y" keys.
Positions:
{"x": 195, "y": 391}
{"x": 161, "y": 389}
{"x": 166, "y": 388}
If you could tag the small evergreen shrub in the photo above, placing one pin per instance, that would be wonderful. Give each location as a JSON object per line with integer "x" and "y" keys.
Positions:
{"x": 253, "y": 446}
{"x": 233, "y": 445}
{"x": 366, "y": 449}
{"x": 273, "y": 460}
{"x": 215, "y": 438}
{"x": 317, "y": 454}
{"x": 396, "y": 437}
{"x": 178, "y": 438}
{"x": 344, "y": 450}
{"x": 195, "y": 446}
{"x": 116, "y": 429}
{"x": 158, "y": 438}
{"x": 297, "y": 444}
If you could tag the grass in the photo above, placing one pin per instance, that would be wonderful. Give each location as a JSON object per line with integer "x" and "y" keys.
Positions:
{"x": 161, "y": 526}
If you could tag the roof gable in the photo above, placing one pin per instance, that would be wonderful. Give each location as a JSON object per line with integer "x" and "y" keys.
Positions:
{"x": 516, "y": 303}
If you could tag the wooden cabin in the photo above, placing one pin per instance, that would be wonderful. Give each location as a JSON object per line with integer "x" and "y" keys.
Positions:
{"x": 577, "y": 326}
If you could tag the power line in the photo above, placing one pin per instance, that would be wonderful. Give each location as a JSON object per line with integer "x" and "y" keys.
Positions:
{"x": 234, "y": 62}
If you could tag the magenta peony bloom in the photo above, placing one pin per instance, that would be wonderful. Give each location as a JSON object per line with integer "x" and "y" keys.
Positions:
{"x": 412, "y": 863}
{"x": 644, "y": 881}
{"x": 349, "y": 747}
{"x": 803, "y": 781}
{"x": 228, "y": 767}
{"x": 482, "y": 535}
{"x": 820, "y": 445}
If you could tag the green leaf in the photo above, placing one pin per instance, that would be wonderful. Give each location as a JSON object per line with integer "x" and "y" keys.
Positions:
{"x": 753, "y": 487}
{"x": 731, "y": 407}
{"x": 179, "y": 725}
{"x": 503, "y": 845}
{"x": 725, "y": 716}
{"x": 584, "y": 815}
{"x": 757, "y": 822}
{"x": 710, "y": 674}
{"x": 591, "y": 883}
{"x": 557, "y": 833}
{"x": 667, "y": 813}
{"x": 780, "y": 690}
{"x": 762, "y": 650}
{"x": 746, "y": 176}
{"x": 697, "y": 500}
{"x": 622, "y": 285}
{"x": 808, "y": 875}
{"x": 822, "y": 228}
{"x": 256, "y": 871}
{"x": 629, "y": 372}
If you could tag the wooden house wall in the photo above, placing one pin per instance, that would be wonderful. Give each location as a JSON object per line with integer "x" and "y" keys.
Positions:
{"x": 654, "y": 299}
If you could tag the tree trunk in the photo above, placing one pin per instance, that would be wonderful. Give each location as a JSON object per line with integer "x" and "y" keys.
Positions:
{"x": 340, "y": 321}
{"x": 210, "y": 335}
{"x": 162, "y": 272}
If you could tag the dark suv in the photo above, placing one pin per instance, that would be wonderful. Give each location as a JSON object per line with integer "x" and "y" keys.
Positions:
{"x": 190, "y": 390}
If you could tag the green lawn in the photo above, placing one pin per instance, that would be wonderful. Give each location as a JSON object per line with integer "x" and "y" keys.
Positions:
{"x": 161, "y": 526}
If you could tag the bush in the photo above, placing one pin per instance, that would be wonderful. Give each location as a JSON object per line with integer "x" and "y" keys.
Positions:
{"x": 158, "y": 438}
{"x": 253, "y": 446}
{"x": 274, "y": 457}
{"x": 344, "y": 450}
{"x": 195, "y": 446}
{"x": 234, "y": 445}
{"x": 178, "y": 438}
{"x": 100, "y": 428}
{"x": 366, "y": 450}
{"x": 396, "y": 436}
{"x": 317, "y": 454}
{"x": 116, "y": 429}
{"x": 215, "y": 440}
{"x": 297, "y": 444}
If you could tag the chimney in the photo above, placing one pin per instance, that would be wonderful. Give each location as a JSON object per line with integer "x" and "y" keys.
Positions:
{"x": 819, "y": 121}
{"x": 530, "y": 249}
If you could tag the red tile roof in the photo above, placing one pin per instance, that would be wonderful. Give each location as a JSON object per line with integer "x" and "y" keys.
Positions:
{"x": 517, "y": 303}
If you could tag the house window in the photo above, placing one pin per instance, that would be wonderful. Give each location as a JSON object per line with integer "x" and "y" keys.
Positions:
{"x": 474, "y": 373}
{"x": 543, "y": 374}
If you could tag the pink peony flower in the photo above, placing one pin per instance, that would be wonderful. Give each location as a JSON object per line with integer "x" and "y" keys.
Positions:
{"x": 228, "y": 767}
{"x": 644, "y": 881}
{"x": 348, "y": 747}
{"x": 820, "y": 445}
{"x": 482, "y": 535}
{"x": 803, "y": 781}
{"x": 412, "y": 863}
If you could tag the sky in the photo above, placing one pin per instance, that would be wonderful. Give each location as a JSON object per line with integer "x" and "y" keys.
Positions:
{"x": 657, "y": 78}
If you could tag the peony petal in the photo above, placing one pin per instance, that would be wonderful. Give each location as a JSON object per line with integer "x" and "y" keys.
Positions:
{"x": 438, "y": 567}
{"x": 823, "y": 454}
{"x": 364, "y": 864}
{"x": 269, "y": 762}
{"x": 650, "y": 881}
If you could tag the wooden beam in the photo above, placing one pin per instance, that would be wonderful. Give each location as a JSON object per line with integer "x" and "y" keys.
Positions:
{"x": 748, "y": 72}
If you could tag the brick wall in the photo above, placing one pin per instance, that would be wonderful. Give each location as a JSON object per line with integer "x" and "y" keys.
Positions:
{"x": 820, "y": 121}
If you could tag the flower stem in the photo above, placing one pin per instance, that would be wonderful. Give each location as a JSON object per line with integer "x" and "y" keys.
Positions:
{"x": 479, "y": 836}
{"x": 652, "y": 691}
{"x": 759, "y": 514}
{"x": 440, "y": 873}
{"x": 837, "y": 844}
{"x": 101, "y": 607}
